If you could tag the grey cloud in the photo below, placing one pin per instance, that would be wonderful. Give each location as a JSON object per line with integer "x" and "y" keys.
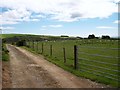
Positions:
{"x": 76, "y": 15}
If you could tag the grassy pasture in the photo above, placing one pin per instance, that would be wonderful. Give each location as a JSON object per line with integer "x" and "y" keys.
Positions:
{"x": 10, "y": 35}
{"x": 98, "y": 59}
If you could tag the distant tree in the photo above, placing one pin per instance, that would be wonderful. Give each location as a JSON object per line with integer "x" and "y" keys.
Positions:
{"x": 64, "y": 36}
{"x": 91, "y": 36}
{"x": 105, "y": 37}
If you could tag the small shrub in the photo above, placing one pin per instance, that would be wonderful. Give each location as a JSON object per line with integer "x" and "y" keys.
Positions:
{"x": 5, "y": 55}
{"x": 21, "y": 43}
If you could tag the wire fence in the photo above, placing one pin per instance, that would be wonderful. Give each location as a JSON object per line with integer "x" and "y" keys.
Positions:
{"x": 98, "y": 62}
{"x": 105, "y": 67}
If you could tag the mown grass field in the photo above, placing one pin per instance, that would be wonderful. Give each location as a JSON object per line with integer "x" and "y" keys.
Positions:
{"x": 97, "y": 59}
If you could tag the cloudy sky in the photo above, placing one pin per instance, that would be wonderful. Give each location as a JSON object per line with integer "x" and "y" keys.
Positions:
{"x": 60, "y": 17}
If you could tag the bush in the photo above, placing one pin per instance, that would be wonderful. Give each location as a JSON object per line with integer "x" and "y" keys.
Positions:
{"x": 13, "y": 43}
{"x": 5, "y": 55}
{"x": 21, "y": 43}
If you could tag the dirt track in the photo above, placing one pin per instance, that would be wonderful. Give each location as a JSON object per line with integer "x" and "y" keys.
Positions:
{"x": 32, "y": 71}
{"x": 6, "y": 74}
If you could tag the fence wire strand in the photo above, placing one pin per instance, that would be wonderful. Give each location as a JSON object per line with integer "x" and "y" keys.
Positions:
{"x": 98, "y": 62}
{"x": 100, "y": 67}
{"x": 99, "y": 55}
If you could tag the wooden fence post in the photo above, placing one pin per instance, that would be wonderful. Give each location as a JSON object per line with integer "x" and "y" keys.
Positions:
{"x": 75, "y": 57}
{"x": 64, "y": 53}
{"x": 33, "y": 44}
{"x": 29, "y": 44}
{"x": 37, "y": 46}
{"x": 42, "y": 48}
{"x": 50, "y": 50}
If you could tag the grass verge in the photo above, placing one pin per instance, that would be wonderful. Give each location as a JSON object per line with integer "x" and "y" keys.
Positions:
{"x": 5, "y": 53}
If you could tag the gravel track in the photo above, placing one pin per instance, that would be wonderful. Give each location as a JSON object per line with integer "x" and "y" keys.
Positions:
{"x": 32, "y": 71}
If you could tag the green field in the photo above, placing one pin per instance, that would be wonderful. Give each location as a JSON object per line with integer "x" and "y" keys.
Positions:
{"x": 25, "y": 35}
{"x": 10, "y": 35}
{"x": 97, "y": 59}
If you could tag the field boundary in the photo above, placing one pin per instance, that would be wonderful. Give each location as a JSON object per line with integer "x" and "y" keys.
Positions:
{"x": 77, "y": 63}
